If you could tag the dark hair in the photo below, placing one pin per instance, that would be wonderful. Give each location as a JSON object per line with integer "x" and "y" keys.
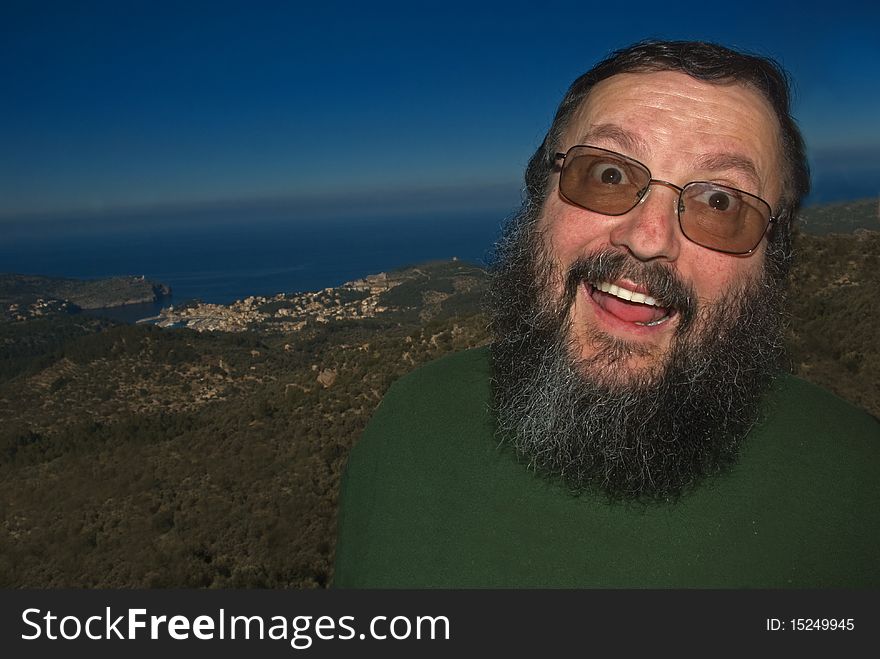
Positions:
{"x": 703, "y": 61}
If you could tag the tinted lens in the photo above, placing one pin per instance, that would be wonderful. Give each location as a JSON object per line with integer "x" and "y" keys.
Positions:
{"x": 722, "y": 218}
{"x": 602, "y": 181}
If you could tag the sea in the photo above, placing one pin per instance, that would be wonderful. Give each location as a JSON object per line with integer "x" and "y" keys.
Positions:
{"x": 228, "y": 256}
{"x": 231, "y": 259}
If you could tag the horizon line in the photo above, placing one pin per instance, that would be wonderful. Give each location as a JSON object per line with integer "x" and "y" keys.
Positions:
{"x": 437, "y": 196}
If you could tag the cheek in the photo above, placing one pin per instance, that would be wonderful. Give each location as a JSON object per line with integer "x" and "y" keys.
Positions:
{"x": 713, "y": 274}
{"x": 572, "y": 232}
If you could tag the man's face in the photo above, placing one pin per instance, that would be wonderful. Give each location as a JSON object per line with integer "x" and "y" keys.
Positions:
{"x": 635, "y": 400}
{"x": 684, "y": 130}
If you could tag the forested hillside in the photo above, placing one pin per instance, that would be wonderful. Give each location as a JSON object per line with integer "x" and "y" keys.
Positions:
{"x": 134, "y": 456}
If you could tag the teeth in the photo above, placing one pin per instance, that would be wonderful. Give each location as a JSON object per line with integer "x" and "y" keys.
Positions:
{"x": 626, "y": 294}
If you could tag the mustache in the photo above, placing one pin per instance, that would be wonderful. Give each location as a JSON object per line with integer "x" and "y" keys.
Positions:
{"x": 661, "y": 281}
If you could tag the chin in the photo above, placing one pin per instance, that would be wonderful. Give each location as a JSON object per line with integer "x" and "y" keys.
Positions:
{"x": 605, "y": 356}
{"x": 617, "y": 363}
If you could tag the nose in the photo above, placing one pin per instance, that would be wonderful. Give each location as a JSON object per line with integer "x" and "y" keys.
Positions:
{"x": 650, "y": 230}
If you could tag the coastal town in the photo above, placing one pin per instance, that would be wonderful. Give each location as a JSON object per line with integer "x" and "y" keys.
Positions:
{"x": 422, "y": 290}
{"x": 284, "y": 312}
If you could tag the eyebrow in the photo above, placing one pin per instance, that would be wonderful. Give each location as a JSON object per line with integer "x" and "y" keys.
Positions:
{"x": 614, "y": 133}
{"x": 730, "y": 161}
{"x": 714, "y": 162}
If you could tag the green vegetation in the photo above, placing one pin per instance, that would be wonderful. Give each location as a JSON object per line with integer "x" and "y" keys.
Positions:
{"x": 133, "y": 456}
{"x": 833, "y": 338}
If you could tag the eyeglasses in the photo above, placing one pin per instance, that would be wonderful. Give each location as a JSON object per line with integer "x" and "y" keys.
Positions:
{"x": 715, "y": 216}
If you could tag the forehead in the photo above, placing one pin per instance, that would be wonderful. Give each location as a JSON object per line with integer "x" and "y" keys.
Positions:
{"x": 668, "y": 119}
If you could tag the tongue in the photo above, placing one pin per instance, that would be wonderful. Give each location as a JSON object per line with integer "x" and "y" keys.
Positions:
{"x": 631, "y": 312}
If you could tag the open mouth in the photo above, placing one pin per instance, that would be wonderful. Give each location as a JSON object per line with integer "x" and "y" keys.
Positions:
{"x": 628, "y": 305}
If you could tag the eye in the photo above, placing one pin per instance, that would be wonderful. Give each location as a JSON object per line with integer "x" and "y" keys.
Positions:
{"x": 723, "y": 201}
{"x": 720, "y": 201}
{"x": 609, "y": 173}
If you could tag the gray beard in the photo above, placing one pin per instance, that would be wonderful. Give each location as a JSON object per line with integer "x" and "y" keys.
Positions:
{"x": 600, "y": 425}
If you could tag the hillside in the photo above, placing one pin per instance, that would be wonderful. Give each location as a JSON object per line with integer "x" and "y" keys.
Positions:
{"x": 832, "y": 338}
{"x": 140, "y": 456}
{"x": 26, "y": 296}
{"x": 844, "y": 217}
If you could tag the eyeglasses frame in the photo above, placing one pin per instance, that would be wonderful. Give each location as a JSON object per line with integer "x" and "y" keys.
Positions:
{"x": 678, "y": 206}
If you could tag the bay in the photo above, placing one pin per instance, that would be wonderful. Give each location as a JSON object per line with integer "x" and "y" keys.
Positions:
{"x": 234, "y": 258}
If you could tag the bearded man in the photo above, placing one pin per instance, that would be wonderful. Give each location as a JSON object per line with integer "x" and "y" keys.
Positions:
{"x": 630, "y": 425}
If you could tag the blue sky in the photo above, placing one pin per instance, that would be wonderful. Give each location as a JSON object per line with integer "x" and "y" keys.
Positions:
{"x": 136, "y": 103}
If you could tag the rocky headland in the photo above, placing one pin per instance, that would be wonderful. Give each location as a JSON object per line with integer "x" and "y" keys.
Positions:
{"x": 29, "y": 296}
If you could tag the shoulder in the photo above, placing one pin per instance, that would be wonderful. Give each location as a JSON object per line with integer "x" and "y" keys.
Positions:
{"x": 432, "y": 428}
{"x": 806, "y": 409}
{"x": 468, "y": 366}
{"x": 816, "y": 444}
{"x": 437, "y": 396}
{"x": 456, "y": 374}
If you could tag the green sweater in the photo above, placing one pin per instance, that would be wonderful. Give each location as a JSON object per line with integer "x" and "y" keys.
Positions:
{"x": 430, "y": 499}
